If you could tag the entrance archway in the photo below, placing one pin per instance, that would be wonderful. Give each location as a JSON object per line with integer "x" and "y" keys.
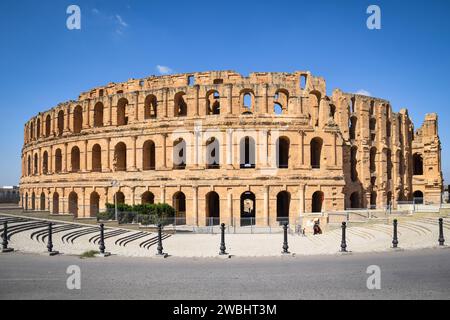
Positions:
{"x": 94, "y": 204}
{"x": 212, "y": 208}
{"x": 283, "y": 204}
{"x": 179, "y": 203}
{"x": 73, "y": 204}
{"x": 418, "y": 197}
{"x": 317, "y": 201}
{"x": 248, "y": 208}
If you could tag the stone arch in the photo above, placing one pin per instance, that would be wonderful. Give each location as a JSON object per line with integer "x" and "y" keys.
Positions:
{"x": 316, "y": 152}
{"x": 32, "y": 130}
{"x": 417, "y": 164}
{"x": 353, "y": 163}
{"x": 58, "y": 160}
{"x": 94, "y": 204}
{"x": 248, "y": 208}
{"x": 48, "y": 121}
{"x": 372, "y": 161}
{"x": 33, "y": 201}
{"x": 120, "y": 157}
{"x": 180, "y": 105}
{"x": 35, "y": 164}
{"x": 418, "y": 197}
{"x": 38, "y": 128}
{"x": 148, "y": 155}
{"x": 73, "y": 204}
{"x": 317, "y": 201}
{"x": 247, "y": 97}
{"x": 355, "y": 202}
{"x": 389, "y": 163}
{"x": 45, "y": 162}
{"x": 119, "y": 197}
{"x": 179, "y": 154}
{"x": 75, "y": 159}
{"x": 179, "y": 203}
{"x": 96, "y": 158}
{"x": 281, "y": 101}
{"x": 77, "y": 119}
{"x": 98, "y": 114}
{"x": 283, "y": 204}
{"x": 122, "y": 119}
{"x": 212, "y": 153}
{"x": 147, "y": 198}
{"x": 282, "y": 146}
{"x": 247, "y": 151}
{"x": 55, "y": 209}
{"x": 26, "y": 201}
{"x": 42, "y": 201}
{"x": 60, "y": 122}
{"x": 213, "y": 103}
{"x": 150, "y": 107}
{"x": 29, "y": 165}
{"x": 212, "y": 208}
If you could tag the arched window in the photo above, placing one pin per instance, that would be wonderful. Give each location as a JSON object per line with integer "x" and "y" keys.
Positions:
{"x": 316, "y": 152}
{"x": 55, "y": 203}
{"x": 29, "y": 165}
{"x": 94, "y": 204}
{"x": 45, "y": 163}
{"x": 372, "y": 124}
{"x": 119, "y": 197}
{"x": 389, "y": 163}
{"x": 32, "y": 130}
{"x": 281, "y": 101}
{"x": 98, "y": 114}
{"x": 213, "y": 103}
{"x": 417, "y": 164}
{"x": 73, "y": 204}
{"x": 418, "y": 197}
{"x": 38, "y": 128}
{"x": 148, "y": 155}
{"x": 120, "y": 157}
{"x": 373, "y": 156}
{"x": 36, "y": 164}
{"x": 180, "y": 106}
{"x": 248, "y": 208}
{"x": 96, "y": 158}
{"x": 77, "y": 119}
{"x": 283, "y": 152}
{"x": 122, "y": 119}
{"x": 212, "y": 208}
{"x": 33, "y": 201}
{"x": 353, "y": 163}
{"x": 179, "y": 154}
{"x": 247, "y": 102}
{"x": 58, "y": 160}
{"x": 352, "y": 127}
{"x": 26, "y": 201}
{"x": 179, "y": 203}
{"x": 212, "y": 153}
{"x": 75, "y": 159}
{"x": 332, "y": 111}
{"x": 60, "y": 122}
{"x": 354, "y": 201}
{"x": 283, "y": 204}
{"x": 42, "y": 202}
{"x": 317, "y": 201}
{"x": 147, "y": 198}
{"x": 150, "y": 106}
{"x": 48, "y": 121}
{"x": 247, "y": 153}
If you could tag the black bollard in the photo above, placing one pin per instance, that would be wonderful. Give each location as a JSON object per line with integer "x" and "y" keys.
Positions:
{"x": 285, "y": 239}
{"x": 343, "y": 241}
{"x": 160, "y": 247}
{"x": 395, "y": 238}
{"x": 102, "y": 242}
{"x": 441, "y": 232}
{"x": 50, "y": 241}
{"x": 222, "y": 240}
{"x": 5, "y": 238}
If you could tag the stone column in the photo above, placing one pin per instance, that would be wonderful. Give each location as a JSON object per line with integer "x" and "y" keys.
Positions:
{"x": 133, "y": 153}
{"x": 85, "y": 167}
{"x": 230, "y": 206}
{"x": 133, "y": 195}
{"x": 86, "y": 113}
{"x": 302, "y": 148}
{"x": 196, "y": 100}
{"x": 334, "y": 151}
{"x": 265, "y": 98}
{"x": 109, "y": 112}
{"x": 65, "y": 157}
{"x": 195, "y": 204}
{"x": 67, "y": 126}
{"x": 163, "y": 194}
{"x": 136, "y": 107}
{"x": 108, "y": 154}
{"x": 230, "y": 98}
{"x": 301, "y": 197}
{"x": 164, "y": 150}
{"x": 83, "y": 201}
{"x": 50, "y": 161}
{"x": 166, "y": 101}
{"x": 266, "y": 205}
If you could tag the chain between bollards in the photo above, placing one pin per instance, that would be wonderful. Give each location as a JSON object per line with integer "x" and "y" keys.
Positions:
{"x": 441, "y": 232}
{"x": 222, "y": 240}
{"x": 343, "y": 241}
{"x": 395, "y": 238}
{"x": 285, "y": 238}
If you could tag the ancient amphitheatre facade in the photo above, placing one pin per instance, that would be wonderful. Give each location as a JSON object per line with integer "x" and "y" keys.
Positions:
{"x": 218, "y": 144}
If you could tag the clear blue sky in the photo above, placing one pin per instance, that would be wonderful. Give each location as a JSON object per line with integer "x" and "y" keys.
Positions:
{"x": 43, "y": 63}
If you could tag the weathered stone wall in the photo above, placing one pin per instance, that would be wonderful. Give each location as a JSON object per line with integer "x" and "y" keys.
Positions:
{"x": 312, "y": 152}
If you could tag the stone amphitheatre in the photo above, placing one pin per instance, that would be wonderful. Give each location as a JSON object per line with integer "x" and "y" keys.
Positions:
{"x": 220, "y": 145}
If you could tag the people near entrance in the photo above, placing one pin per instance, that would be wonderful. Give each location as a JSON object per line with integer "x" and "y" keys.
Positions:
{"x": 316, "y": 228}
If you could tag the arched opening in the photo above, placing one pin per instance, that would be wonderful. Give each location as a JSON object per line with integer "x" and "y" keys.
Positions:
{"x": 352, "y": 127}
{"x": 73, "y": 204}
{"x": 150, "y": 107}
{"x": 120, "y": 157}
{"x": 32, "y": 131}
{"x": 179, "y": 154}
{"x": 148, "y": 155}
{"x": 119, "y": 197}
{"x": 212, "y": 153}
{"x": 147, "y": 198}
{"x": 353, "y": 163}
{"x": 389, "y": 198}
{"x": 373, "y": 200}
{"x": 29, "y": 165}
{"x": 332, "y": 111}
{"x": 96, "y": 158}
{"x": 94, "y": 204}
{"x": 373, "y": 155}
{"x": 26, "y": 201}
{"x": 58, "y": 160}
{"x": 418, "y": 197}
{"x": 45, "y": 163}
{"x": 60, "y": 122}
{"x": 389, "y": 164}
{"x": 42, "y": 202}
{"x": 55, "y": 203}
{"x": 417, "y": 164}
{"x": 283, "y": 203}
{"x": 33, "y": 201}
{"x": 317, "y": 201}
{"x": 354, "y": 201}
{"x": 75, "y": 159}
{"x": 122, "y": 119}
{"x": 77, "y": 119}
{"x": 180, "y": 106}
{"x": 38, "y": 128}
{"x": 248, "y": 208}
{"x": 247, "y": 103}
{"x": 212, "y": 208}
{"x": 247, "y": 153}
{"x": 179, "y": 203}
{"x": 316, "y": 152}
{"x": 213, "y": 103}
{"x": 48, "y": 121}
{"x": 98, "y": 114}
{"x": 35, "y": 164}
{"x": 281, "y": 101}
{"x": 283, "y": 152}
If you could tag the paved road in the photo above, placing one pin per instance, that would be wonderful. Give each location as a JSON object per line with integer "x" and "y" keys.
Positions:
{"x": 421, "y": 274}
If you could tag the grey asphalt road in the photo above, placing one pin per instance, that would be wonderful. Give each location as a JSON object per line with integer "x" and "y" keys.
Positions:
{"x": 423, "y": 274}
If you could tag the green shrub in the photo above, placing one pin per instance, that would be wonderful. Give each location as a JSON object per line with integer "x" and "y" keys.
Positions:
{"x": 143, "y": 213}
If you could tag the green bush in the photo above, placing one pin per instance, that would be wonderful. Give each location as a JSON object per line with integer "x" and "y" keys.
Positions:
{"x": 143, "y": 213}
